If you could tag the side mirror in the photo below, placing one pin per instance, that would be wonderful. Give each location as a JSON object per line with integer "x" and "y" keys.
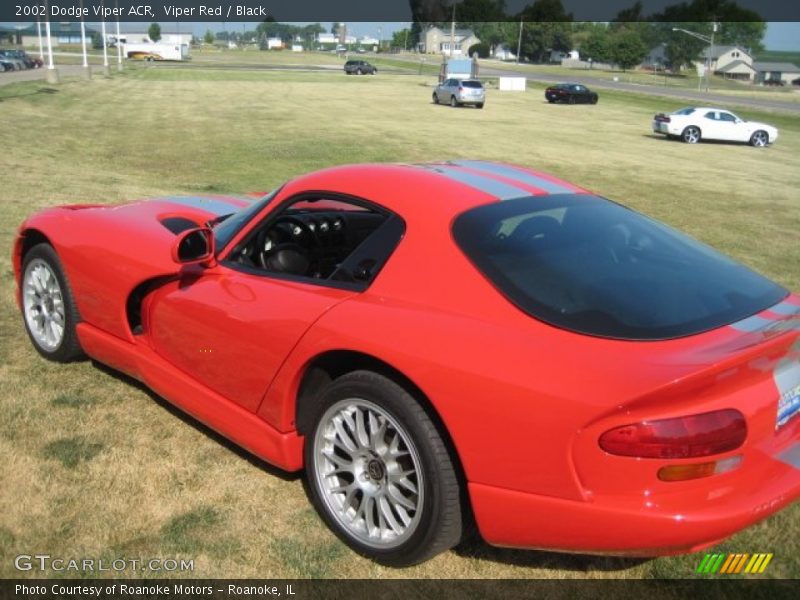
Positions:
{"x": 194, "y": 246}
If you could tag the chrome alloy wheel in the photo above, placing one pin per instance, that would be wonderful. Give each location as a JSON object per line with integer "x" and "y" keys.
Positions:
{"x": 44, "y": 305}
{"x": 368, "y": 472}
{"x": 760, "y": 139}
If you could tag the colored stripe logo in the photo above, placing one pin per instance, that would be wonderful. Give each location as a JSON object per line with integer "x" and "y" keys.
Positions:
{"x": 734, "y": 564}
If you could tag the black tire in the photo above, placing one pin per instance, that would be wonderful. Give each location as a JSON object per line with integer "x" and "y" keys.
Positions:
{"x": 435, "y": 98}
{"x": 691, "y": 135}
{"x": 374, "y": 71}
{"x": 594, "y": 99}
{"x": 453, "y": 101}
{"x": 434, "y": 524}
{"x": 479, "y": 105}
{"x": 68, "y": 349}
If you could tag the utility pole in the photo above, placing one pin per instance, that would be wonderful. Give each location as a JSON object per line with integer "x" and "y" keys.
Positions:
{"x": 453, "y": 30}
{"x": 519, "y": 40}
{"x": 87, "y": 72}
{"x": 52, "y": 72}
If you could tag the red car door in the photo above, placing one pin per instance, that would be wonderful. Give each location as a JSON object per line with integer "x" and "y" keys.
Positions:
{"x": 232, "y": 330}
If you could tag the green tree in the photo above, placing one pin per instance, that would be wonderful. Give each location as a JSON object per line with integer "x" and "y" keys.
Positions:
{"x": 154, "y": 32}
{"x": 546, "y": 28}
{"x": 626, "y": 48}
{"x": 400, "y": 38}
{"x": 208, "y": 38}
{"x": 97, "y": 40}
{"x": 596, "y": 46}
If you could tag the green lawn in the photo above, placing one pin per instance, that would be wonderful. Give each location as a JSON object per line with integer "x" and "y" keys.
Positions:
{"x": 93, "y": 465}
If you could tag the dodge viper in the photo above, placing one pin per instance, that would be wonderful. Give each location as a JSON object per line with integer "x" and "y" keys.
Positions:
{"x": 445, "y": 344}
{"x": 693, "y": 124}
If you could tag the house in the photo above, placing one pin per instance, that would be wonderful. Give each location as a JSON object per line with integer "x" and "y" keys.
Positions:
{"x": 719, "y": 57}
{"x": 737, "y": 69}
{"x": 775, "y": 71}
{"x": 656, "y": 58}
{"x": 60, "y": 33}
{"x": 437, "y": 41}
{"x": 556, "y": 56}
{"x": 503, "y": 52}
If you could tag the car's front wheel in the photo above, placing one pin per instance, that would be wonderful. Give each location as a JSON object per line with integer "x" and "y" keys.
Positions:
{"x": 379, "y": 472}
{"x": 435, "y": 98}
{"x": 759, "y": 139}
{"x": 48, "y": 308}
{"x": 479, "y": 105}
{"x": 691, "y": 135}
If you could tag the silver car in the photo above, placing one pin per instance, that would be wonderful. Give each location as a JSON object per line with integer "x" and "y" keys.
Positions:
{"x": 460, "y": 91}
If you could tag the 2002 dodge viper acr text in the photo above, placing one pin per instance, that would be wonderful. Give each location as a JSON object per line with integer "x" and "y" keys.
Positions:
{"x": 445, "y": 341}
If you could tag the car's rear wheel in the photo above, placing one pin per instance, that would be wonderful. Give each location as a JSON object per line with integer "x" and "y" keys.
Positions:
{"x": 360, "y": 72}
{"x": 48, "y": 308}
{"x": 479, "y": 105}
{"x": 435, "y": 98}
{"x": 379, "y": 473}
{"x": 759, "y": 139}
{"x": 453, "y": 101}
{"x": 691, "y": 135}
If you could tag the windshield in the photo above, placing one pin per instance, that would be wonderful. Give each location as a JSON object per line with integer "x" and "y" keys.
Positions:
{"x": 589, "y": 265}
{"x": 229, "y": 225}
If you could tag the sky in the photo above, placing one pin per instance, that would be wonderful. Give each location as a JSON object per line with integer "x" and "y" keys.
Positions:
{"x": 780, "y": 36}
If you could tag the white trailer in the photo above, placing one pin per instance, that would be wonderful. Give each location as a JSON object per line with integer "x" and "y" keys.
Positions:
{"x": 157, "y": 51}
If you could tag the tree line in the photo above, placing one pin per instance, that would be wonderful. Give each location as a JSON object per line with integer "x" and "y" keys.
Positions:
{"x": 546, "y": 26}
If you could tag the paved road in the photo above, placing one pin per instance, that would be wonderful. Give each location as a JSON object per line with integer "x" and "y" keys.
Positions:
{"x": 653, "y": 90}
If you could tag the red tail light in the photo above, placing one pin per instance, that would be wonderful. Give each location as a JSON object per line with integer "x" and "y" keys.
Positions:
{"x": 460, "y": 89}
{"x": 662, "y": 118}
{"x": 682, "y": 437}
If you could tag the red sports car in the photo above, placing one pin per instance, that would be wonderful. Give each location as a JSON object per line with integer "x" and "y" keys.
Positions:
{"x": 439, "y": 342}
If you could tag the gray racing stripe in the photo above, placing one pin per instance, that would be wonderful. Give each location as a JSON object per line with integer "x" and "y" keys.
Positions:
{"x": 752, "y": 324}
{"x": 785, "y": 308}
{"x": 212, "y": 205}
{"x": 499, "y": 189}
{"x": 511, "y": 173}
{"x": 791, "y": 456}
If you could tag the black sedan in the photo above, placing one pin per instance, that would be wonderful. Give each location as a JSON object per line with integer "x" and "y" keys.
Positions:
{"x": 571, "y": 93}
{"x": 359, "y": 67}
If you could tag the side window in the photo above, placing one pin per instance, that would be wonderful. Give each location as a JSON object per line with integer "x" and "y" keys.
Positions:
{"x": 324, "y": 239}
{"x": 712, "y": 115}
{"x": 723, "y": 116}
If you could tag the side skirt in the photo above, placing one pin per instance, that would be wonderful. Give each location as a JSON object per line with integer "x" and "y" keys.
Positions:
{"x": 282, "y": 449}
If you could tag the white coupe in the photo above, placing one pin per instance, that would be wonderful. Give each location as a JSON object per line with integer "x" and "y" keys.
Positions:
{"x": 693, "y": 124}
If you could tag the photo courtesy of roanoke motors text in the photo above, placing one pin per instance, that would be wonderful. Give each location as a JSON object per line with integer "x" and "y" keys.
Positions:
{"x": 489, "y": 298}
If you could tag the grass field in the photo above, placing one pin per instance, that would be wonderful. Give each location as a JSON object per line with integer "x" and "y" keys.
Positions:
{"x": 95, "y": 466}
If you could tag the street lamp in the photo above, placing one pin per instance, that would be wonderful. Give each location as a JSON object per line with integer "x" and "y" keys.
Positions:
{"x": 710, "y": 42}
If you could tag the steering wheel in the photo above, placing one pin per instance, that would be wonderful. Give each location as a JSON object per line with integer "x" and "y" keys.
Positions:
{"x": 290, "y": 255}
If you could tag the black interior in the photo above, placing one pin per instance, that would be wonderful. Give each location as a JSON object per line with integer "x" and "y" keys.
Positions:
{"x": 309, "y": 242}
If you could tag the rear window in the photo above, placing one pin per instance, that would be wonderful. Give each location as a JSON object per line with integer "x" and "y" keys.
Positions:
{"x": 592, "y": 266}
{"x": 684, "y": 111}
{"x": 472, "y": 84}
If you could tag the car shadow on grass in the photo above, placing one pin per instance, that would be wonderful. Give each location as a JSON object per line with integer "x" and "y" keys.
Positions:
{"x": 44, "y": 90}
{"x": 475, "y": 548}
{"x": 199, "y": 426}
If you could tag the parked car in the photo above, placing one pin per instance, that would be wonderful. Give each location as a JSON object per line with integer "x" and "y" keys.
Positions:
{"x": 29, "y": 61}
{"x": 7, "y": 56}
{"x": 440, "y": 340}
{"x": 571, "y": 93}
{"x": 458, "y": 92}
{"x": 6, "y": 65}
{"x": 774, "y": 82}
{"x": 691, "y": 124}
{"x": 359, "y": 67}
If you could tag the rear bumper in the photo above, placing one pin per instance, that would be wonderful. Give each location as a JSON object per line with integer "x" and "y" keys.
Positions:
{"x": 635, "y": 525}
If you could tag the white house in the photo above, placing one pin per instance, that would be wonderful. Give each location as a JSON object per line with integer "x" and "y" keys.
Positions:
{"x": 721, "y": 58}
{"x": 437, "y": 41}
{"x": 776, "y": 71}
